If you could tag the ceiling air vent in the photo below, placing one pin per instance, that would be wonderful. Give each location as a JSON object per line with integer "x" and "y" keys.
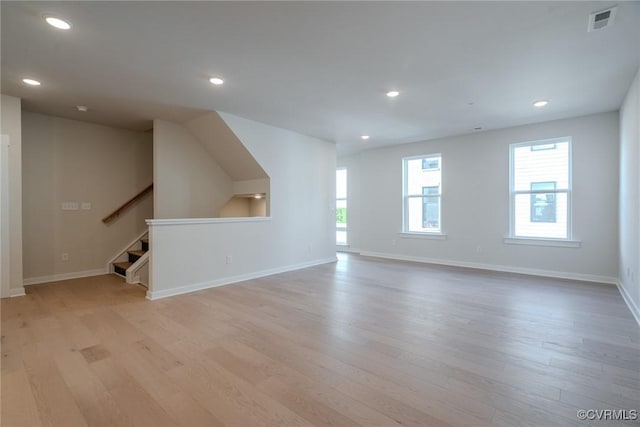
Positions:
{"x": 602, "y": 19}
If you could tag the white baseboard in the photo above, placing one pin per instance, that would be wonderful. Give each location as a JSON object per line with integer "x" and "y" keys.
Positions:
{"x": 633, "y": 307}
{"x": 65, "y": 276}
{"x": 493, "y": 267}
{"x": 154, "y": 295}
{"x": 342, "y": 248}
{"x": 17, "y": 292}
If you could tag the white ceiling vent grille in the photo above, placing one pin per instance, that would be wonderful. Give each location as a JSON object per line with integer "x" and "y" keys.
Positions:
{"x": 602, "y": 19}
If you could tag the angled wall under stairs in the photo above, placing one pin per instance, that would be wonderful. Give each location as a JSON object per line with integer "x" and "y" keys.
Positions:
{"x": 200, "y": 167}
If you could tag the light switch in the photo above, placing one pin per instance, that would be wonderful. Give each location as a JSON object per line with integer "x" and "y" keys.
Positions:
{"x": 86, "y": 206}
{"x": 69, "y": 206}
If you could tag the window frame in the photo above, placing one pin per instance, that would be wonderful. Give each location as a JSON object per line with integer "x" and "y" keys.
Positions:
{"x": 568, "y": 191}
{"x": 406, "y": 196}
{"x": 345, "y": 199}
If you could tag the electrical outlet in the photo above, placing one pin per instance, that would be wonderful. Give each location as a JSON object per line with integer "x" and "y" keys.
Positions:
{"x": 229, "y": 259}
{"x": 478, "y": 248}
{"x": 65, "y": 256}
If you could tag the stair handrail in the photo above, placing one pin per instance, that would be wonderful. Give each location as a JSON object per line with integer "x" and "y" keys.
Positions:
{"x": 113, "y": 215}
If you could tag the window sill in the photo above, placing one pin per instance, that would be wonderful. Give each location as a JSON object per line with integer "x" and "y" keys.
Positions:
{"x": 542, "y": 242}
{"x": 427, "y": 236}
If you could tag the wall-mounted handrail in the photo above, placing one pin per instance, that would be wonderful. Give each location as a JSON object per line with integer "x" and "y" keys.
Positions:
{"x": 113, "y": 215}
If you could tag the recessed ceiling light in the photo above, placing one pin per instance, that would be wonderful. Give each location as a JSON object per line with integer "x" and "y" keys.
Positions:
{"x": 541, "y": 103}
{"x": 31, "y": 82}
{"x": 217, "y": 81}
{"x": 365, "y": 137}
{"x": 258, "y": 196}
{"x": 58, "y": 23}
{"x": 82, "y": 108}
{"x": 393, "y": 93}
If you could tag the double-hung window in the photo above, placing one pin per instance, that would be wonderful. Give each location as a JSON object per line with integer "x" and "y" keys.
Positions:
{"x": 341, "y": 206}
{"x": 540, "y": 189}
{"x": 422, "y": 194}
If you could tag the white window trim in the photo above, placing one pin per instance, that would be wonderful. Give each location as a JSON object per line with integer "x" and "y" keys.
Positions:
{"x": 427, "y": 235}
{"x": 533, "y": 241}
{"x": 541, "y": 241}
{"x": 405, "y": 196}
{"x": 346, "y": 227}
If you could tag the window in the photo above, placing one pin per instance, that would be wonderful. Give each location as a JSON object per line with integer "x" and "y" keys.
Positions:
{"x": 422, "y": 193}
{"x": 540, "y": 189}
{"x": 341, "y": 207}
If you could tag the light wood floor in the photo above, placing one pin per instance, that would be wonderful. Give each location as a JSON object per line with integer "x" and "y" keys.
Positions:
{"x": 360, "y": 342}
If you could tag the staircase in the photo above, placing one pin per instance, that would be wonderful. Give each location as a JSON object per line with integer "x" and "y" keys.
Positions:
{"x": 133, "y": 255}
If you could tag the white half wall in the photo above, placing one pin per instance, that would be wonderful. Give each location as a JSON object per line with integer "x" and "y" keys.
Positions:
{"x": 11, "y": 126}
{"x": 192, "y": 254}
{"x": 475, "y": 201}
{"x": 188, "y": 181}
{"x": 629, "y": 268}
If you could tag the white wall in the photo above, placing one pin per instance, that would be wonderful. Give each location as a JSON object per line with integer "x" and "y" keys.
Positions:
{"x": 251, "y": 186}
{"x": 188, "y": 182}
{"x": 72, "y": 161}
{"x": 236, "y": 207}
{"x": 257, "y": 207}
{"x": 629, "y": 269}
{"x": 299, "y": 233}
{"x": 11, "y": 125}
{"x": 5, "y": 251}
{"x": 233, "y": 157}
{"x": 239, "y": 207}
{"x": 475, "y": 209}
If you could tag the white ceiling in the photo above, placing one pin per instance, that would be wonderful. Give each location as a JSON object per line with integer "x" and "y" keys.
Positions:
{"x": 322, "y": 68}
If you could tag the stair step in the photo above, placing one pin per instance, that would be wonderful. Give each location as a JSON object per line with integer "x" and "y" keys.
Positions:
{"x": 135, "y": 255}
{"x": 145, "y": 244}
{"x": 123, "y": 264}
{"x": 121, "y": 267}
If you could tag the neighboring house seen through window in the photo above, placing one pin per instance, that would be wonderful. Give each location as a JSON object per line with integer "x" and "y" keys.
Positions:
{"x": 543, "y": 205}
{"x": 540, "y": 189}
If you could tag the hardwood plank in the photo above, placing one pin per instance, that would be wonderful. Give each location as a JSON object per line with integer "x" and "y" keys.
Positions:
{"x": 18, "y": 401}
{"x": 360, "y": 342}
{"x": 267, "y": 373}
{"x": 184, "y": 410}
{"x": 54, "y": 398}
